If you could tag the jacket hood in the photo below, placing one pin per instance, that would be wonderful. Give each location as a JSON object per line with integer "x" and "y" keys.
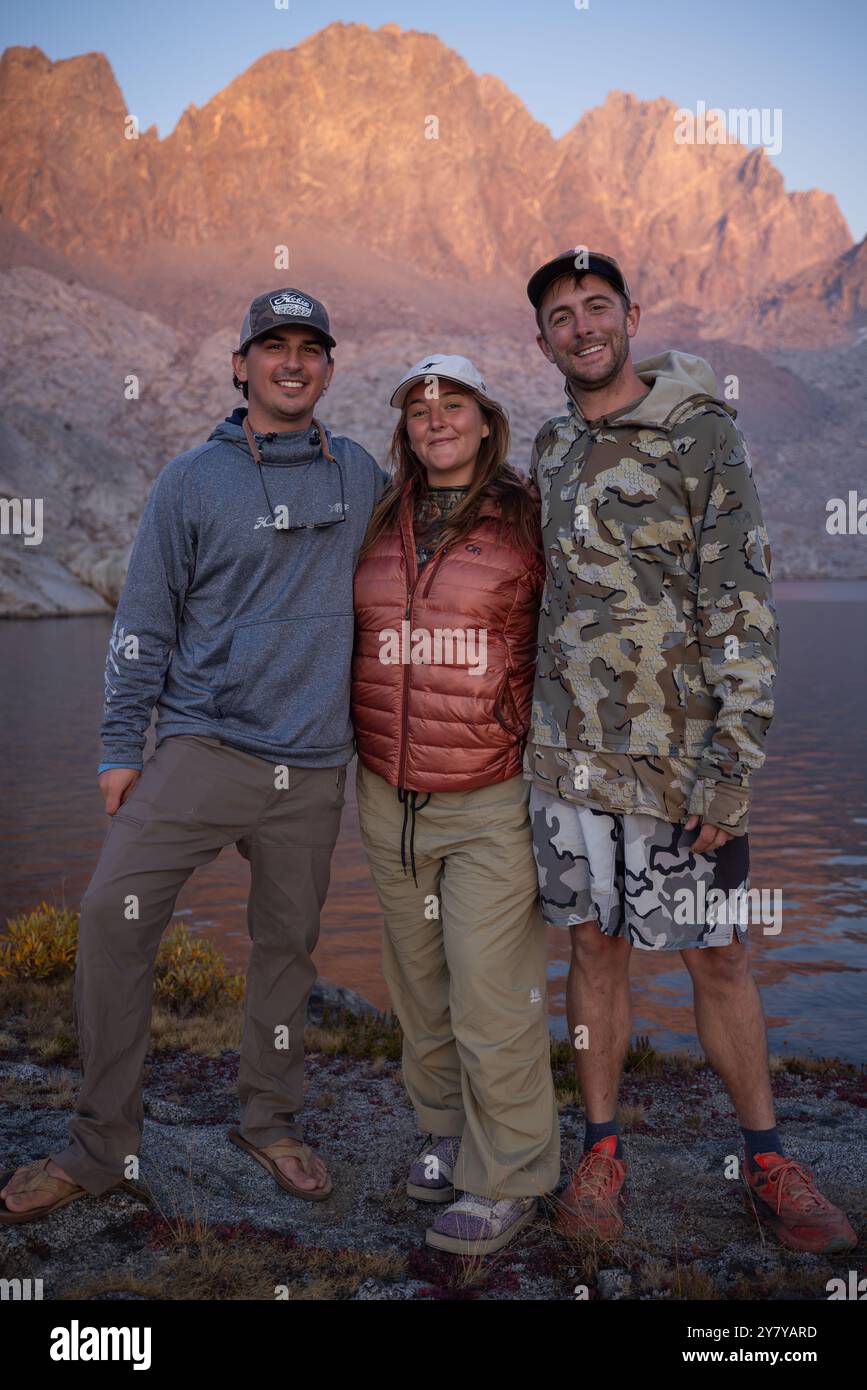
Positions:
{"x": 674, "y": 378}
{"x": 284, "y": 449}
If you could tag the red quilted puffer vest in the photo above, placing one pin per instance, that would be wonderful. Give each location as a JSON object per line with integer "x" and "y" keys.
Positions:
{"x": 442, "y": 676}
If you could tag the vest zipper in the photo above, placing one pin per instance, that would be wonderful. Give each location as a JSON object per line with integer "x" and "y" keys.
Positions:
{"x": 407, "y": 617}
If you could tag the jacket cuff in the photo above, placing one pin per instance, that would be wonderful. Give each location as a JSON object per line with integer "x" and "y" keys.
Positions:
{"x": 726, "y": 804}
{"x": 106, "y": 767}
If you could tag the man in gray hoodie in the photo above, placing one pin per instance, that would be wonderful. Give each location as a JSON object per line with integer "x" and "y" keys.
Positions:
{"x": 236, "y": 625}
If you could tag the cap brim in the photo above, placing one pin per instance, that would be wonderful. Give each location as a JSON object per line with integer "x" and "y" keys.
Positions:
{"x": 546, "y": 275}
{"x": 324, "y": 337}
{"x": 564, "y": 265}
{"x": 400, "y": 395}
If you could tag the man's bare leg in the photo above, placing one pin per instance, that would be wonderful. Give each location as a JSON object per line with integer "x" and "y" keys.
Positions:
{"x": 597, "y": 996}
{"x": 731, "y": 1027}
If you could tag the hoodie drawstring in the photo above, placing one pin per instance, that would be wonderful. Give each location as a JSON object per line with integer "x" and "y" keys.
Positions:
{"x": 410, "y": 803}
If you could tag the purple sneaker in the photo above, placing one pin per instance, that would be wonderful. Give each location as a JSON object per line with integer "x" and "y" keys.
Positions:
{"x": 480, "y": 1225}
{"x": 432, "y": 1175}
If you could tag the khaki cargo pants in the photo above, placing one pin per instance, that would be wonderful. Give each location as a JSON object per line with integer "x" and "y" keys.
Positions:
{"x": 464, "y": 956}
{"x": 195, "y": 796}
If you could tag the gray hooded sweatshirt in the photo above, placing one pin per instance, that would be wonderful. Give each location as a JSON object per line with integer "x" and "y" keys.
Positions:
{"x": 232, "y": 627}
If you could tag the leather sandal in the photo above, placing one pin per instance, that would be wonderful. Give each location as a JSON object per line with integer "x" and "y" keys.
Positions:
{"x": 29, "y": 1178}
{"x": 286, "y": 1148}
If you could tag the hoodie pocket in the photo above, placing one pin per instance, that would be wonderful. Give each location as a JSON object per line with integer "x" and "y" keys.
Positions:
{"x": 287, "y": 680}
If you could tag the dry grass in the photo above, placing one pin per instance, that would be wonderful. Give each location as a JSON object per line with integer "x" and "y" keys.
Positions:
{"x": 55, "y": 1090}
{"x": 38, "y": 1016}
{"x": 205, "y": 1034}
{"x": 685, "y": 1062}
{"x": 654, "y": 1273}
{"x": 327, "y": 1040}
{"x": 822, "y": 1066}
{"x": 195, "y": 1260}
{"x": 38, "y": 1020}
{"x": 789, "y": 1277}
{"x": 690, "y": 1283}
{"x": 631, "y": 1115}
{"x": 198, "y": 1262}
{"x": 567, "y": 1095}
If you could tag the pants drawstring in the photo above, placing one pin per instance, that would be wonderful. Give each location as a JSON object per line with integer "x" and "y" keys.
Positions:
{"x": 409, "y": 800}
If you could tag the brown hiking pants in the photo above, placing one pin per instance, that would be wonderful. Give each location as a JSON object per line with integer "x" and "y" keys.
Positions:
{"x": 464, "y": 956}
{"x": 195, "y": 796}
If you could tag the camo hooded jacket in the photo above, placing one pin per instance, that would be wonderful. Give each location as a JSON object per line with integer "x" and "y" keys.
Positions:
{"x": 658, "y": 636}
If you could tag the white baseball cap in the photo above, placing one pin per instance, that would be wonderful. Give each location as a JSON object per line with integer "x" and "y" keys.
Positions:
{"x": 459, "y": 369}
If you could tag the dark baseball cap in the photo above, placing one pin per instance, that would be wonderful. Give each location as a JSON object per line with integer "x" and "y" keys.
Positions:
{"x": 281, "y": 307}
{"x": 564, "y": 264}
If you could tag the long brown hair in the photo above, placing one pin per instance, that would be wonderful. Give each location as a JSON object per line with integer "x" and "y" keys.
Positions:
{"x": 493, "y": 478}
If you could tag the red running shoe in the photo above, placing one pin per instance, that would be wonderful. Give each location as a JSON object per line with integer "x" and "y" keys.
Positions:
{"x": 596, "y": 1195}
{"x": 783, "y": 1194}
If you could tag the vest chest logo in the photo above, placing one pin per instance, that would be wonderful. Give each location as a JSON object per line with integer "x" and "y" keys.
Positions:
{"x": 473, "y": 549}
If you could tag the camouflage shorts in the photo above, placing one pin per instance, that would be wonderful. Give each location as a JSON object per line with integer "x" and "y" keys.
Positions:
{"x": 636, "y": 876}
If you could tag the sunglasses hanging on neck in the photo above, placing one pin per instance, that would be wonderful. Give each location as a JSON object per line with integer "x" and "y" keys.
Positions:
{"x": 279, "y": 514}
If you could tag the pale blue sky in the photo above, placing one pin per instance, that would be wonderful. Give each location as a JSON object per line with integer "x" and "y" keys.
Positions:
{"x": 801, "y": 56}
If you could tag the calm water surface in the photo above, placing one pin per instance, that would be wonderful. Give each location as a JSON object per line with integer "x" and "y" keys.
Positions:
{"x": 808, "y": 836}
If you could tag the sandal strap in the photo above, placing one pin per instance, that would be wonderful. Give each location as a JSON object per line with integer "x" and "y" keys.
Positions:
{"x": 34, "y": 1176}
{"x": 292, "y": 1148}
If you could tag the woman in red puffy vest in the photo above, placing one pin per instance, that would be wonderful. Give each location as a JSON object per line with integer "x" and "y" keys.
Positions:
{"x": 447, "y": 594}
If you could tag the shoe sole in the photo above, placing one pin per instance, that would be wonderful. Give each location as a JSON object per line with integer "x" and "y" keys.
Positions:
{"x": 430, "y": 1194}
{"x": 608, "y": 1227}
{"x": 457, "y": 1245}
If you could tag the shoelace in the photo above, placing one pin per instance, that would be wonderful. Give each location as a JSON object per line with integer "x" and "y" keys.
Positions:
{"x": 594, "y": 1172}
{"x": 799, "y": 1185}
{"x": 492, "y": 1203}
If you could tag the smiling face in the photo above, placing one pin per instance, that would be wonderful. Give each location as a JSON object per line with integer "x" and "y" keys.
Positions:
{"x": 286, "y": 370}
{"x": 445, "y": 431}
{"x": 586, "y": 330}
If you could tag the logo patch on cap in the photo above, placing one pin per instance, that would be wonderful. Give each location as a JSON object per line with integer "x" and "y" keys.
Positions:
{"x": 291, "y": 304}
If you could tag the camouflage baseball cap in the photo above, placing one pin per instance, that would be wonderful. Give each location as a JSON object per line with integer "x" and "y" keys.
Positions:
{"x": 590, "y": 263}
{"x": 280, "y": 307}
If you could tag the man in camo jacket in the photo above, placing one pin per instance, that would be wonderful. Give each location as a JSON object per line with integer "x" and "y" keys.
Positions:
{"x": 658, "y": 644}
